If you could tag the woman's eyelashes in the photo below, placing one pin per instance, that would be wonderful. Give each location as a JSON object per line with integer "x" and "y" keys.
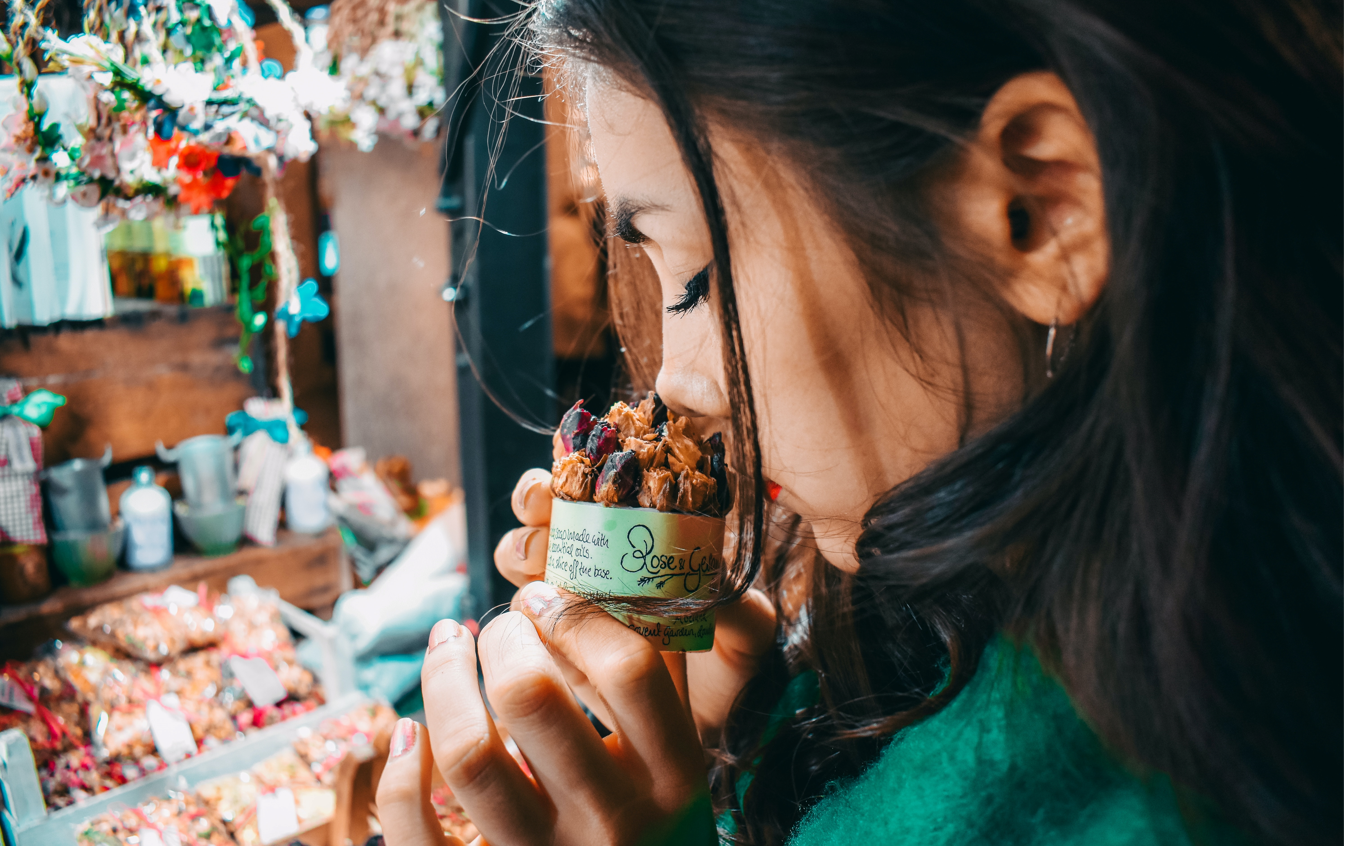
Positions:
{"x": 694, "y": 294}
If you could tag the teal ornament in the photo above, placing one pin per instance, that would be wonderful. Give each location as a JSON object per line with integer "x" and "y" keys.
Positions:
{"x": 271, "y": 69}
{"x": 305, "y": 305}
{"x": 245, "y": 12}
{"x": 37, "y": 408}
{"x": 329, "y": 253}
{"x": 278, "y": 430}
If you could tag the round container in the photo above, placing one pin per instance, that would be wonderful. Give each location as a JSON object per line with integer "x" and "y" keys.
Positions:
{"x": 215, "y": 532}
{"x": 23, "y": 573}
{"x": 146, "y": 509}
{"x": 87, "y": 558}
{"x": 306, "y": 494}
{"x": 596, "y": 551}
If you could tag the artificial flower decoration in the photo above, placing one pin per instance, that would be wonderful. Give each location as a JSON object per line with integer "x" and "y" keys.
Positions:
{"x": 387, "y": 58}
{"x": 37, "y": 408}
{"x": 305, "y": 305}
{"x": 172, "y": 86}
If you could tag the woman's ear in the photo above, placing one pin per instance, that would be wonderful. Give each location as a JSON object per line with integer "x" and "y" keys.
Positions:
{"x": 1029, "y": 194}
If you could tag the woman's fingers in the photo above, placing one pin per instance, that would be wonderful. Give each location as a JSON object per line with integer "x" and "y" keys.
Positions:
{"x": 744, "y": 631}
{"x": 532, "y": 498}
{"x": 504, "y": 803}
{"x": 403, "y": 797}
{"x": 630, "y": 677}
{"x": 530, "y": 698}
{"x": 521, "y": 555}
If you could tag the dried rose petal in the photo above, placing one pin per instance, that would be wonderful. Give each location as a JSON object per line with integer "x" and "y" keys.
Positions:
{"x": 627, "y": 421}
{"x": 619, "y": 479}
{"x": 572, "y": 478}
{"x": 575, "y": 427}
{"x": 602, "y": 442}
{"x": 683, "y": 453}
{"x": 652, "y": 453}
{"x": 658, "y": 489}
{"x": 695, "y": 491}
{"x": 653, "y": 411}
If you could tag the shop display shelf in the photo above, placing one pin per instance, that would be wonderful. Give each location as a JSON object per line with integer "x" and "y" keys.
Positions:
{"x": 34, "y": 826}
{"x": 309, "y": 571}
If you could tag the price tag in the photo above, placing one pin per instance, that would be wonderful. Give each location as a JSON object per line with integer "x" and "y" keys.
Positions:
{"x": 150, "y": 837}
{"x": 172, "y": 733}
{"x": 12, "y": 696}
{"x": 258, "y": 679}
{"x": 172, "y": 595}
{"x": 277, "y": 815}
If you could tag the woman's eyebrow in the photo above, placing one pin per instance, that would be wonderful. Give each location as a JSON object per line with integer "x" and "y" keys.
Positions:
{"x": 624, "y": 211}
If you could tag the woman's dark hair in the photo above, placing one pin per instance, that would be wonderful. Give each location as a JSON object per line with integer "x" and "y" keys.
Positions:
{"x": 1163, "y": 520}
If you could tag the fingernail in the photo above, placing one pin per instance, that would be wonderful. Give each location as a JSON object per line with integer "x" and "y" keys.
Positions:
{"x": 443, "y": 630}
{"x": 521, "y": 539}
{"x": 404, "y": 738}
{"x": 538, "y": 597}
{"x": 525, "y": 490}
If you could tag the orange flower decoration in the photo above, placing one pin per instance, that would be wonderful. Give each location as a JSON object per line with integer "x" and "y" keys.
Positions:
{"x": 200, "y": 192}
{"x": 162, "y": 152}
{"x": 195, "y": 159}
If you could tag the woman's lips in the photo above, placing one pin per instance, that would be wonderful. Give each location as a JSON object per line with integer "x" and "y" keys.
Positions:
{"x": 772, "y": 490}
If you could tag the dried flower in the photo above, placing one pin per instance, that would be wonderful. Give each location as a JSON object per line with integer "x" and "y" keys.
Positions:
{"x": 652, "y": 452}
{"x": 602, "y": 441}
{"x": 572, "y": 478}
{"x": 696, "y": 491}
{"x": 619, "y": 479}
{"x": 627, "y": 421}
{"x": 657, "y": 489}
{"x": 575, "y": 427}
{"x": 683, "y": 453}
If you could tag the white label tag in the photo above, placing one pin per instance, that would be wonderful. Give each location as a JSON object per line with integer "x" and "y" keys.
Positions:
{"x": 277, "y": 816}
{"x": 172, "y": 595}
{"x": 149, "y": 837}
{"x": 12, "y": 696}
{"x": 171, "y": 837}
{"x": 172, "y": 733}
{"x": 264, "y": 687}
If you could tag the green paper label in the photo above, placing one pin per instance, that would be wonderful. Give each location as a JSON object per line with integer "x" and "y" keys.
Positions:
{"x": 598, "y": 551}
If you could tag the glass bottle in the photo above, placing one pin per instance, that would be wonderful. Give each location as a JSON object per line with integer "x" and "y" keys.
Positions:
{"x": 147, "y": 510}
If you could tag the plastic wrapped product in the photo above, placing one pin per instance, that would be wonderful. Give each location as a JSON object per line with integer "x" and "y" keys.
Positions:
{"x": 275, "y": 800}
{"x": 153, "y": 626}
{"x": 175, "y": 819}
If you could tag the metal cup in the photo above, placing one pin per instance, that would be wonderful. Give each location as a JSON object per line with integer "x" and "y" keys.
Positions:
{"x": 78, "y": 495}
{"x": 206, "y": 470}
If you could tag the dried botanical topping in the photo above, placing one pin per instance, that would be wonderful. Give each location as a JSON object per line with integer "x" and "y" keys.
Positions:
{"x": 652, "y": 410}
{"x": 627, "y": 421}
{"x": 696, "y": 491}
{"x": 572, "y": 477}
{"x": 575, "y": 427}
{"x": 658, "y": 489}
{"x": 602, "y": 442}
{"x": 714, "y": 447}
{"x": 642, "y": 455}
{"x": 619, "y": 479}
{"x": 683, "y": 453}
{"x": 651, "y": 452}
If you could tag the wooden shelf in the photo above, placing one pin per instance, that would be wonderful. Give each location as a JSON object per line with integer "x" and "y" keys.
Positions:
{"x": 309, "y": 571}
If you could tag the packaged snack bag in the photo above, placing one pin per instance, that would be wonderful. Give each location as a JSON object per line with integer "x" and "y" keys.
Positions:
{"x": 638, "y": 513}
{"x": 275, "y": 800}
{"x": 153, "y": 626}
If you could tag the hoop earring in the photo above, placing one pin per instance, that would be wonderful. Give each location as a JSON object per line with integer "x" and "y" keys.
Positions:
{"x": 1053, "y": 363}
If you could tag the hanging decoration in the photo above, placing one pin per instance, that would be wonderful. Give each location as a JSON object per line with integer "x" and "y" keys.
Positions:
{"x": 387, "y": 55}
{"x": 37, "y": 408}
{"x": 305, "y": 305}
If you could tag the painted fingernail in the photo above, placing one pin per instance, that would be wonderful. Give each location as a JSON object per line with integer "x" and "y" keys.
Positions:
{"x": 525, "y": 489}
{"x": 443, "y": 630}
{"x": 539, "y": 597}
{"x": 404, "y": 738}
{"x": 521, "y": 539}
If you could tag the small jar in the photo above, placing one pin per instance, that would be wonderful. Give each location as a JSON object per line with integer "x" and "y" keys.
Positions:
{"x": 147, "y": 510}
{"x": 306, "y": 492}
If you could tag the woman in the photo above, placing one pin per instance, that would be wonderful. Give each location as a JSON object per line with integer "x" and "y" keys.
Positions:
{"x": 1030, "y": 312}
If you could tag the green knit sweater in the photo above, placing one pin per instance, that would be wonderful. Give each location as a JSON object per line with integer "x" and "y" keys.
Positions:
{"x": 1009, "y": 761}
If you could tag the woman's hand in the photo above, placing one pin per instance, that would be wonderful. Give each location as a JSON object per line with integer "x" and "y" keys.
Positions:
{"x": 643, "y": 784}
{"x": 744, "y": 630}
